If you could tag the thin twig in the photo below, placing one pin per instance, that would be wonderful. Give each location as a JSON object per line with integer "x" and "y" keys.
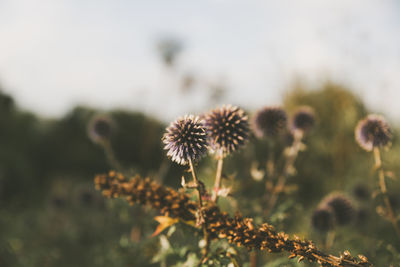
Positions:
{"x": 201, "y": 221}
{"x": 290, "y": 159}
{"x": 196, "y": 184}
{"x": 382, "y": 186}
{"x": 218, "y": 176}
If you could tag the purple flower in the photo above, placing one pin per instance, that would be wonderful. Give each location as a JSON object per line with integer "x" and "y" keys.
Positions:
{"x": 186, "y": 140}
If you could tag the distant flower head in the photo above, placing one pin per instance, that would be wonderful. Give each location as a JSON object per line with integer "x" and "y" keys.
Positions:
{"x": 341, "y": 206}
{"x": 361, "y": 192}
{"x": 373, "y": 131}
{"x": 323, "y": 219}
{"x": 269, "y": 121}
{"x": 185, "y": 139}
{"x": 100, "y": 129}
{"x": 227, "y": 128}
{"x": 303, "y": 119}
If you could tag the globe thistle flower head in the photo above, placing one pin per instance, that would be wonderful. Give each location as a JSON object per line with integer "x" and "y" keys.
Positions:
{"x": 227, "y": 129}
{"x": 100, "y": 129}
{"x": 373, "y": 131}
{"x": 269, "y": 121}
{"x": 323, "y": 219}
{"x": 342, "y": 208}
{"x": 303, "y": 119}
{"x": 186, "y": 140}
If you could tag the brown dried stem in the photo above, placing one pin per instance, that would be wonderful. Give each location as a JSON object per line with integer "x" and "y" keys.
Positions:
{"x": 218, "y": 176}
{"x": 201, "y": 221}
{"x": 238, "y": 230}
{"x": 382, "y": 186}
{"x": 197, "y": 185}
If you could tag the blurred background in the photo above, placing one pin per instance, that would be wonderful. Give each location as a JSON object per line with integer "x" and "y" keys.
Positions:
{"x": 152, "y": 55}
{"x": 143, "y": 63}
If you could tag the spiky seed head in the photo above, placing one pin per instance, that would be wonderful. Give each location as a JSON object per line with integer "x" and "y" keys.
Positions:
{"x": 373, "y": 131}
{"x": 100, "y": 128}
{"x": 227, "y": 129}
{"x": 269, "y": 121}
{"x": 323, "y": 219}
{"x": 303, "y": 119}
{"x": 341, "y": 206}
{"x": 185, "y": 139}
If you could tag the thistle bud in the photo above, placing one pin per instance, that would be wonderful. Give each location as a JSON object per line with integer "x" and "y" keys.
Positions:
{"x": 100, "y": 129}
{"x": 373, "y": 131}
{"x": 342, "y": 208}
{"x": 303, "y": 119}
{"x": 269, "y": 121}
{"x": 323, "y": 219}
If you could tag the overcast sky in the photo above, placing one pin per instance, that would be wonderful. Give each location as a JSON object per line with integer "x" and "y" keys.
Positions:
{"x": 57, "y": 54}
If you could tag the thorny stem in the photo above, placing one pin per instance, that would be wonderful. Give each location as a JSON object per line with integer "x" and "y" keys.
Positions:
{"x": 218, "y": 176}
{"x": 201, "y": 219}
{"x": 382, "y": 185}
{"x": 290, "y": 159}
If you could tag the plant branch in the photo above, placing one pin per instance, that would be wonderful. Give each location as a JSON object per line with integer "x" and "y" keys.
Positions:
{"x": 218, "y": 176}
{"x": 291, "y": 156}
{"x": 196, "y": 184}
{"x": 238, "y": 230}
{"x": 382, "y": 186}
{"x": 201, "y": 220}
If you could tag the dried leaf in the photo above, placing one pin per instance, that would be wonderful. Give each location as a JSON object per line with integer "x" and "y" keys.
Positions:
{"x": 390, "y": 175}
{"x": 300, "y": 259}
{"x": 256, "y": 174}
{"x": 224, "y": 191}
{"x": 164, "y": 222}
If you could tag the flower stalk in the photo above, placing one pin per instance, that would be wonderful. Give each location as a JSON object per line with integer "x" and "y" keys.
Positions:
{"x": 291, "y": 156}
{"x": 383, "y": 189}
{"x": 218, "y": 177}
{"x": 200, "y": 220}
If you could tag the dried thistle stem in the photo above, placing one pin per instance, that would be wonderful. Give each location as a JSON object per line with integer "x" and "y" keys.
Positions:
{"x": 218, "y": 176}
{"x": 382, "y": 186}
{"x": 196, "y": 183}
{"x": 290, "y": 159}
{"x": 238, "y": 230}
{"x": 202, "y": 221}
